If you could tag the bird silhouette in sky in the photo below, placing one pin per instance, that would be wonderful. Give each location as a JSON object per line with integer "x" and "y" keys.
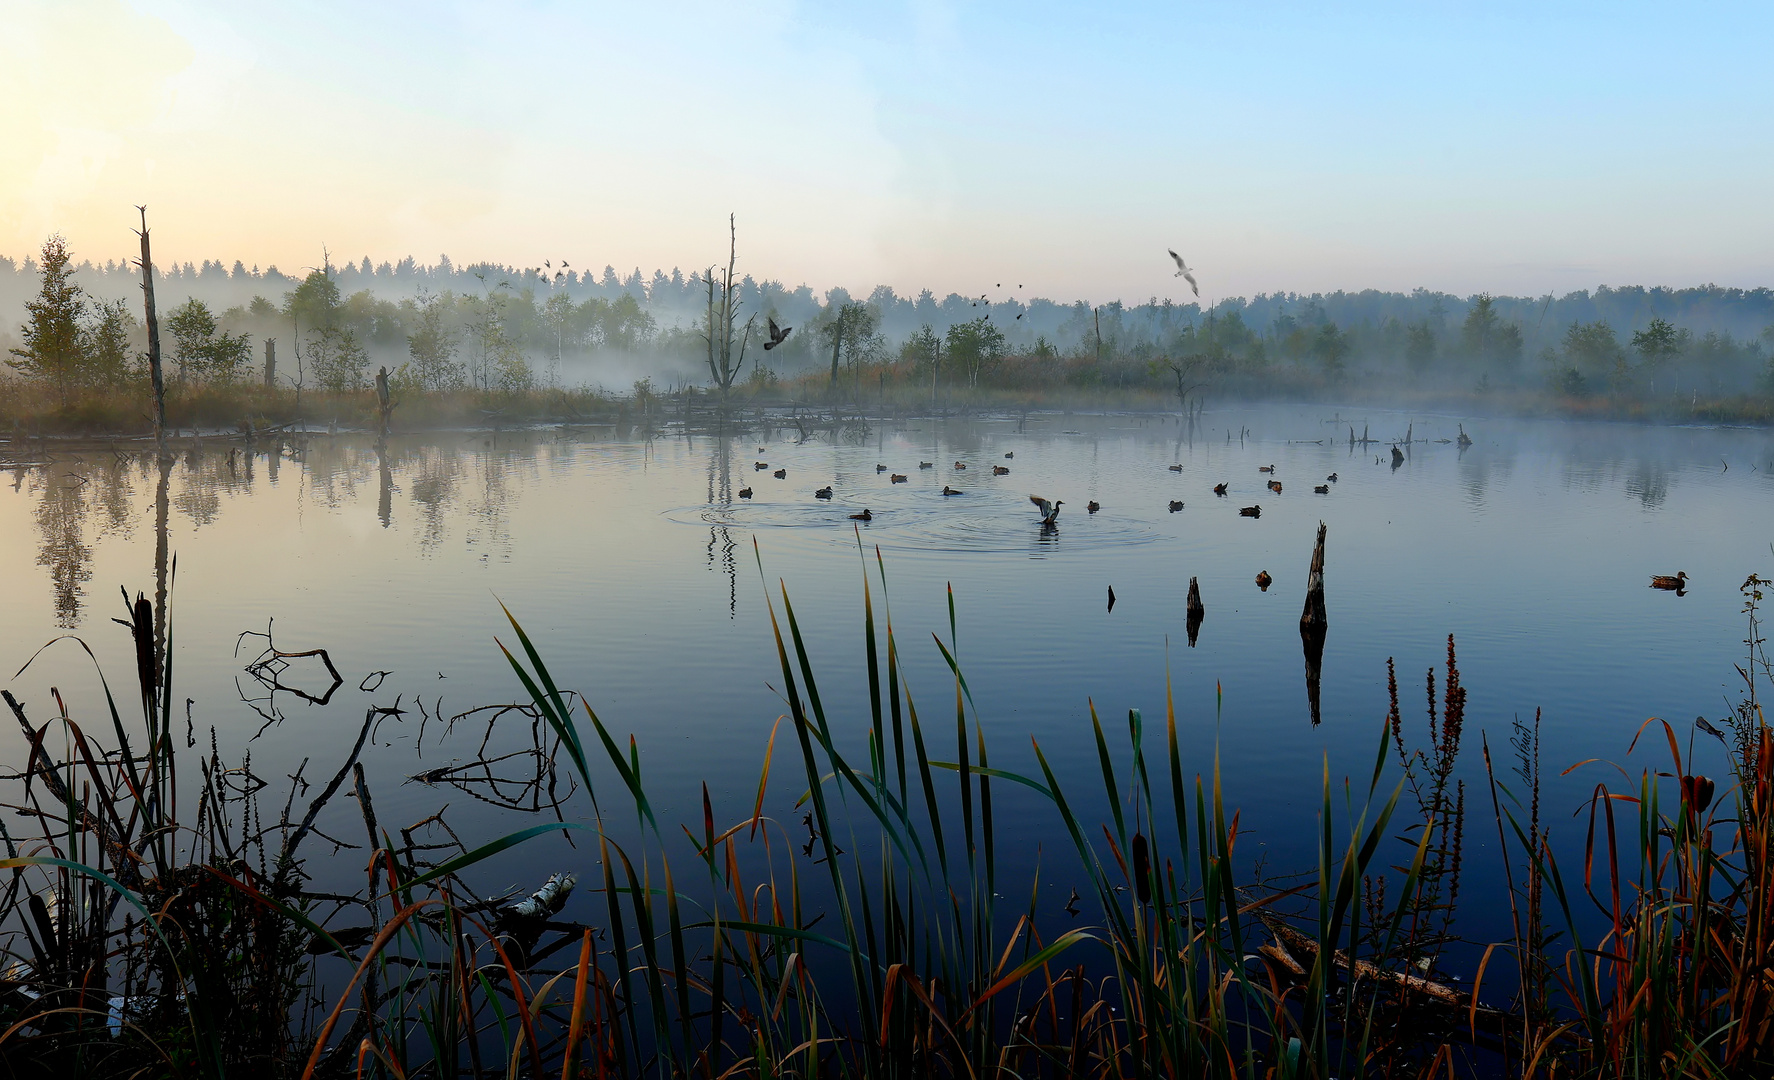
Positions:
{"x": 1184, "y": 271}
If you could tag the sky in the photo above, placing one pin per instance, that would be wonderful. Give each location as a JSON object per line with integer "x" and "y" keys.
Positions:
{"x": 1466, "y": 147}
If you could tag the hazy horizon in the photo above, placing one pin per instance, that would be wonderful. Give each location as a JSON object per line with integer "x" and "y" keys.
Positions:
{"x": 1514, "y": 150}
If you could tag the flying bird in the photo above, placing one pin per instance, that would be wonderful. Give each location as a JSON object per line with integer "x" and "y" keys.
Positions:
{"x": 777, "y": 335}
{"x": 1184, "y": 272}
{"x": 1049, "y": 510}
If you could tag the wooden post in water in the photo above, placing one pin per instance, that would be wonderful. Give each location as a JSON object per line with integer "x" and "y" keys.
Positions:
{"x": 270, "y": 363}
{"x": 1313, "y": 618}
{"x": 153, "y": 324}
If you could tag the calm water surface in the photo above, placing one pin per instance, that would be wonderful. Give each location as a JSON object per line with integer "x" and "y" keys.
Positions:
{"x": 630, "y": 559}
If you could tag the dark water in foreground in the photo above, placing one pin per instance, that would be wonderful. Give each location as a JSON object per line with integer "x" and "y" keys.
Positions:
{"x": 630, "y": 560}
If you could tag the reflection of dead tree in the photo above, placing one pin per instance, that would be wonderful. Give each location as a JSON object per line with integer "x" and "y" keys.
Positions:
{"x": 267, "y": 669}
{"x": 1189, "y": 372}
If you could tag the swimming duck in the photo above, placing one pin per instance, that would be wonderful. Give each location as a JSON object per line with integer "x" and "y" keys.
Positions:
{"x": 896, "y": 478}
{"x": 947, "y": 490}
{"x": 1332, "y": 478}
{"x": 1175, "y": 505}
{"x": 1009, "y": 455}
{"x": 780, "y": 474}
{"x": 760, "y": 466}
{"x": 960, "y": 465}
{"x": 1176, "y": 468}
{"x": 1093, "y": 506}
{"x": 823, "y": 493}
{"x": 864, "y": 516}
{"x": 1250, "y": 511}
{"x": 1673, "y": 584}
{"x": 925, "y": 465}
{"x": 880, "y": 468}
{"x": 1322, "y": 489}
{"x": 1275, "y": 486}
{"x": 745, "y": 493}
{"x": 1266, "y": 468}
{"x": 999, "y": 470}
{"x": 1219, "y": 489}
{"x": 1049, "y": 510}
{"x": 1264, "y": 580}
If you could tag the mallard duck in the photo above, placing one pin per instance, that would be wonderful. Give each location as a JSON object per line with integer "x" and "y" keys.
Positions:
{"x": 760, "y": 466}
{"x": 1266, "y": 468}
{"x": 1176, "y": 468}
{"x": 1264, "y": 580}
{"x": 1049, "y": 510}
{"x": 864, "y": 516}
{"x": 1175, "y": 505}
{"x": 1010, "y": 454}
{"x": 823, "y": 493}
{"x": 760, "y": 450}
{"x": 896, "y": 478}
{"x": 999, "y": 470}
{"x": 1093, "y": 506}
{"x": 1332, "y": 478}
{"x": 1275, "y": 486}
{"x": 1219, "y": 489}
{"x": 745, "y": 493}
{"x": 1322, "y": 489}
{"x": 947, "y": 490}
{"x": 1250, "y": 511}
{"x": 1673, "y": 584}
{"x": 960, "y": 465}
{"x": 780, "y": 474}
{"x": 880, "y": 468}
{"x": 925, "y": 465}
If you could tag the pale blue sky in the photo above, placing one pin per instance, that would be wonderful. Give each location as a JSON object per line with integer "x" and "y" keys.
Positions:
{"x": 1506, "y": 147}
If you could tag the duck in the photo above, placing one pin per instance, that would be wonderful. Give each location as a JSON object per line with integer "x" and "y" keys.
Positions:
{"x": 745, "y": 493}
{"x": 760, "y": 449}
{"x": 1176, "y": 468}
{"x": 1673, "y": 584}
{"x": 1266, "y": 468}
{"x": 925, "y": 465}
{"x": 1009, "y": 454}
{"x": 866, "y": 515}
{"x": 880, "y": 468}
{"x": 1275, "y": 486}
{"x": 960, "y": 465}
{"x": 1175, "y": 505}
{"x": 1049, "y": 510}
{"x": 1093, "y": 506}
{"x": 1219, "y": 489}
{"x": 896, "y": 478}
{"x": 999, "y": 470}
{"x": 1264, "y": 580}
{"x": 1250, "y": 511}
{"x": 1332, "y": 478}
{"x": 780, "y": 474}
{"x": 1322, "y": 489}
{"x": 759, "y": 466}
{"x": 823, "y": 493}
{"x": 947, "y": 490}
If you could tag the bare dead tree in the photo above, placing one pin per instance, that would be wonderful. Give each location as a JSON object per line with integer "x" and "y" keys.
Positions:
{"x": 153, "y": 323}
{"x": 723, "y": 313}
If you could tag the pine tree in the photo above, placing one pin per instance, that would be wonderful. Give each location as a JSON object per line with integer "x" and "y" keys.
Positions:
{"x": 52, "y": 332}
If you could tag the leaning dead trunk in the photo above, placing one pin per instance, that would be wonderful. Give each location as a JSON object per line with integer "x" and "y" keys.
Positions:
{"x": 1313, "y": 617}
{"x": 153, "y": 323}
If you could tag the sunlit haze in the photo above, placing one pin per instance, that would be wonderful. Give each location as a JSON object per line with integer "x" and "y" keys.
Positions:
{"x": 947, "y": 146}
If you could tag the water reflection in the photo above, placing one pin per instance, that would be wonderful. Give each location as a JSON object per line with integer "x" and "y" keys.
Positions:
{"x": 61, "y": 520}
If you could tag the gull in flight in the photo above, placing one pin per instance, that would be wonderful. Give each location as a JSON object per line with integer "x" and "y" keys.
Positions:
{"x": 1184, "y": 272}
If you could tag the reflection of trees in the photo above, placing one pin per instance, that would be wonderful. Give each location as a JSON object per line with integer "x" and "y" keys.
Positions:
{"x": 433, "y": 483}
{"x": 1649, "y": 484}
{"x": 60, "y": 517}
{"x": 720, "y": 537}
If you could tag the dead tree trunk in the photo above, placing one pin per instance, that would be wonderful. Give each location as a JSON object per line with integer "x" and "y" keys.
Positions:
{"x": 270, "y": 363}
{"x": 1313, "y": 617}
{"x": 1195, "y": 611}
{"x": 384, "y": 403}
{"x": 153, "y": 323}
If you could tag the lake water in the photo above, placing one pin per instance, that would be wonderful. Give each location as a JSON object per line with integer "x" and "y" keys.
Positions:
{"x": 629, "y": 557}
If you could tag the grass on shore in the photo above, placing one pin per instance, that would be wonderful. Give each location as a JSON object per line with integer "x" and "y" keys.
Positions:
{"x": 142, "y": 941}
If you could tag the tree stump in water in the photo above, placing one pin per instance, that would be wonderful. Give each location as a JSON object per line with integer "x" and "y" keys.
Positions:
{"x": 1195, "y": 611}
{"x": 1313, "y": 617}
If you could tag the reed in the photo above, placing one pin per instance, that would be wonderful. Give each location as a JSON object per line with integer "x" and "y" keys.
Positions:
{"x": 888, "y": 943}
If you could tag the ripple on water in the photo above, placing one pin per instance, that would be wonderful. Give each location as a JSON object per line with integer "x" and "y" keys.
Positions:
{"x": 947, "y": 525}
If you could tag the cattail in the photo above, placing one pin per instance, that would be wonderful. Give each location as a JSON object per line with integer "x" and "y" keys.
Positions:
{"x": 1142, "y": 869}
